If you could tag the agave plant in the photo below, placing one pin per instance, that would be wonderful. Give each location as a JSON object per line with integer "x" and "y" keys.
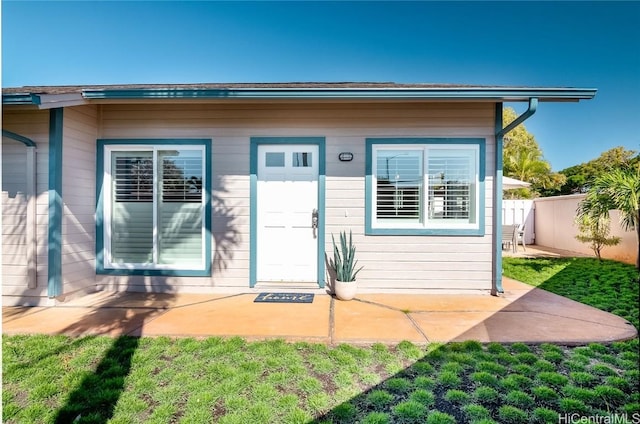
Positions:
{"x": 344, "y": 262}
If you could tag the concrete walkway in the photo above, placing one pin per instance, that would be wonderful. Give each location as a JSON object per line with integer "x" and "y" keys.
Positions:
{"x": 522, "y": 314}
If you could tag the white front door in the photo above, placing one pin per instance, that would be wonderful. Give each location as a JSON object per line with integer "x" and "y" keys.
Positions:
{"x": 287, "y": 200}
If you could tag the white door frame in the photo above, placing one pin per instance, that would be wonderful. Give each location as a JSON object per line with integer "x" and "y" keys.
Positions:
{"x": 258, "y": 141}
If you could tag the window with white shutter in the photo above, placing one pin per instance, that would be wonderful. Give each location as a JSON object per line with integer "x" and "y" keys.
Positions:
{"x": 432, "y": 186}
{"x": 154, "y": 206}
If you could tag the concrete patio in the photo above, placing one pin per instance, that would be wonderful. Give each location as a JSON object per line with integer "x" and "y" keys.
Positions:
{"x": 521, "y": 314}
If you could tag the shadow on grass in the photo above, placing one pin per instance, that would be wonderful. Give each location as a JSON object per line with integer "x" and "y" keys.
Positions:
{"x": 465, "y": 381}
{"x": 95, "y": 399}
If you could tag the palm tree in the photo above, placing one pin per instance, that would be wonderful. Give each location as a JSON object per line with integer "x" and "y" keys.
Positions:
{"x": 618, "y": 189}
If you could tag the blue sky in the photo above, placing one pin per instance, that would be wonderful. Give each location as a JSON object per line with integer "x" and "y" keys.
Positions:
{"x": 572, "y": 44}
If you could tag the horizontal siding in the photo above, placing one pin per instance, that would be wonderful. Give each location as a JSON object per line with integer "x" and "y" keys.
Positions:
{"x": 33, "y": 124}
{"x": 80, "y": 131}
{"x": 406, "y": 262}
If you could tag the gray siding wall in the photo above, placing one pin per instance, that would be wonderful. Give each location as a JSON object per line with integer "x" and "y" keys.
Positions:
{"x": 391, "y": 262}
{"x": 80, "y": 131}
{"x": 34, "y": 125}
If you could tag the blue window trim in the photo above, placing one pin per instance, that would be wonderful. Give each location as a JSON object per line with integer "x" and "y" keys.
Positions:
{"x": 369, "y": 230}
{"x": 253, "y": 219}
{"x": 100, "y": 269}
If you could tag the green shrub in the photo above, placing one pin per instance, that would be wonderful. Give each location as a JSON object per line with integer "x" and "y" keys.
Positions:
{"x": 453, "y": 367}
{"x": 376, "y": 418}
{"x": 520, "y": 348}
{"x": 379, "y": 398}
{"x": 516, "y": 381}
{"x": 525, "y": 370}
{"x": 463, "y": 358}
{"x": 438, "y": 417}
{"x": 506, "y": 358}
{"x": 476, "y": 412}
{"x": 544, "y": 415}
{"x": 456, "y": 396}
{"x": 618, "y": 383}
{"x": 397, "y": 385}
{"x": 449, "y": 379}
{"x": 576, "y": 366}
{"x": 573, "y": 406}
{"x": 486, "y": 395}
{"x": 548, "y": 347}
{"x": 608, "y": 396}
{"x": 583, "y": 378}
{"x": 631, "y": 408}
{"x": 603, "y": 370}
{"x": 345, "y": 412}
{"x": 519, "y": 399}
{"x": 422, "y": 368}
{"x": 409, "y": 350}
{"x": 545, "y": 394}
{"x": 491, "y": 367}
{"x": 424, "y": 382}
{"x": 410, "y": 411}
{"x": 597, "y": 348}
{"x": 544, "y": 365}
{"x": 527, "y": 358}
{"x": 484, "y": 378}
{"x": 424, "y": 397}
{"x": 472, "y": 346}
{"x": 510, "y": 414}
{"x": 494, "y": 347}
{"x": 552, "y": 378}
{"x": 579, "y": 393}
{"x": 554, "y": 357}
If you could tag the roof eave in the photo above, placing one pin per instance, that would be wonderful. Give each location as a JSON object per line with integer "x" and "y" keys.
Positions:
{"x": 478, "y": 94}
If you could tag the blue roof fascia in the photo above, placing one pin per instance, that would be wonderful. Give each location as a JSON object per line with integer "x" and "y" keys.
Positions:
{"x": 20, "y": 99}
{"x": 498, "y": 94}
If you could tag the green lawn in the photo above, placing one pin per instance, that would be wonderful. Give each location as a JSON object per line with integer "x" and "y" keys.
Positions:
{"x": 57, "y": 379}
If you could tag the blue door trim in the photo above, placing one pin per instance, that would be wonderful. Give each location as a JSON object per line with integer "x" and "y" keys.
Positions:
{"x": 253, "y": 219}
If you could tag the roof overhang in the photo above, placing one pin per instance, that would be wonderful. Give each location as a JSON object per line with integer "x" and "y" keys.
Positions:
{"x": 47, "y": 97}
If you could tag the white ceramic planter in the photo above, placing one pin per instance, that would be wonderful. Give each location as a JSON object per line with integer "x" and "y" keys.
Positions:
{"x": 345, "y": 290}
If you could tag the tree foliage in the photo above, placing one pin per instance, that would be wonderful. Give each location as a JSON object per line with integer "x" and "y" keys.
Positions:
{"x": 523, "y": 159}
{"x": 595, "y": 231}
{"x": 580, "y": 177}
{"x": 618, "y": 189}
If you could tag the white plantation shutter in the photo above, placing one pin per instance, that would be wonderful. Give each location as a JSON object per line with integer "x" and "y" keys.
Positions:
{"x": 132, "y": 203}
{"x": 399, "y": 185}
{"x": 180, "y": 208}
{"x": 425, "y": 186}
{"x": 171, "y": 181}
{"x": 452, "y": 179}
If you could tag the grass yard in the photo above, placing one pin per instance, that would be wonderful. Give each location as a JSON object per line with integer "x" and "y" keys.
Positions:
{"x": 57, "y": 379}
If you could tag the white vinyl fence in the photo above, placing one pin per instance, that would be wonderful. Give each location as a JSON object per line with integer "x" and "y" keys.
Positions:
{"x": 555, "y": 228}
{"x": 520, "y": 212}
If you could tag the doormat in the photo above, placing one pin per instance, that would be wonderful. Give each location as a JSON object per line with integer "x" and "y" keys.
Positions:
{"x": 284, "y": 298}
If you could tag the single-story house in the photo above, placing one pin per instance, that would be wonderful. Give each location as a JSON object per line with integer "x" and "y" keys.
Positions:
{"x": 239, "y": 187}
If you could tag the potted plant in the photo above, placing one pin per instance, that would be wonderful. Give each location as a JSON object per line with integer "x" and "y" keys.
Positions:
{"x": 344, "y": 265}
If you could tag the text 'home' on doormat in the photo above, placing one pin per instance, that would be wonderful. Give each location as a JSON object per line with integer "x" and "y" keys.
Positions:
{"x": 285, "y": 298}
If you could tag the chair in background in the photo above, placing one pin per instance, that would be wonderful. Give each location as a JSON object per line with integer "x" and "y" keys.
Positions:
{"x": 519, "y": 238}
{"x": 509, "y": 237}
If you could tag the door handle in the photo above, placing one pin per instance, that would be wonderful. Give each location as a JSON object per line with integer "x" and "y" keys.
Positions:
{"x": 314, "y": 222}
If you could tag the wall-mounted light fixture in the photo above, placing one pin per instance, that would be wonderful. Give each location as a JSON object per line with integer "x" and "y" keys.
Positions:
{"x": 345, "y": 157}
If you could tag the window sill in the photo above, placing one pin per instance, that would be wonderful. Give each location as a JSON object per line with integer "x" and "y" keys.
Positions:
{"x": 156, "y": 272}
{"x": 424, "y": 232}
